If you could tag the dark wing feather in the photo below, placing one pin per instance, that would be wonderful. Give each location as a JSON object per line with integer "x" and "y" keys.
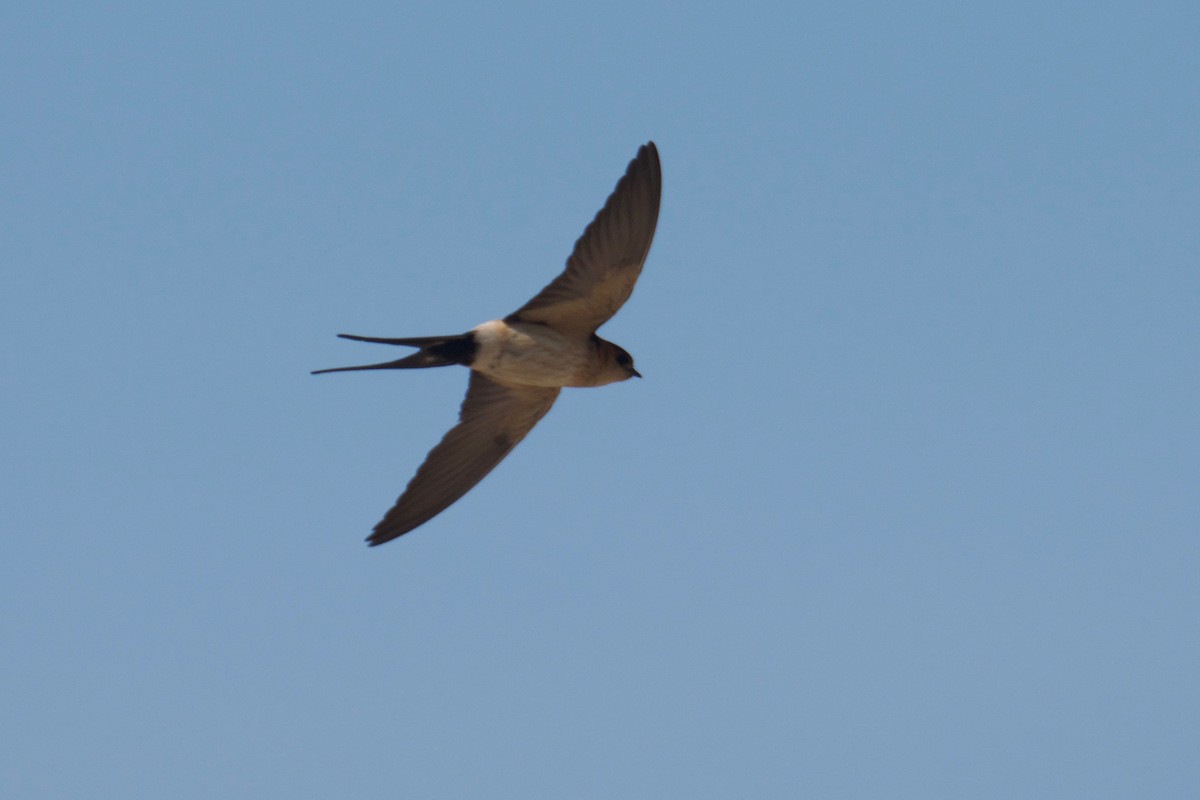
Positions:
{"x": 493, "y": 419}
{"x": 608, "y": 258}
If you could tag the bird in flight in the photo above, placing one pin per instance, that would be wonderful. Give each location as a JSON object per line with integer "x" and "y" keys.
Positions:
{"x": 520, "y": 363}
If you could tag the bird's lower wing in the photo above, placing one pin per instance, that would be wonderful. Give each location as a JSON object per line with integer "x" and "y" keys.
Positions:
{"x": 493, "y": 419}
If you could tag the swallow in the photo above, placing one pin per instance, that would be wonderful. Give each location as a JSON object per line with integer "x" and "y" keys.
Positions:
{"x": 520, "y": 363}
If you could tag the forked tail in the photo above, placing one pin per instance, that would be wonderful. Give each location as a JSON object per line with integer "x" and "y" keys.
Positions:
{"x": 433, "y": 351}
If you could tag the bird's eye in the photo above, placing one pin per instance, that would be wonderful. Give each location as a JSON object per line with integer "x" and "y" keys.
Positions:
{"x": 624, "y": 360}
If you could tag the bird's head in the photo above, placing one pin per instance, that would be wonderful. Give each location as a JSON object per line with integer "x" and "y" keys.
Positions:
{"x": 616, "y": 363}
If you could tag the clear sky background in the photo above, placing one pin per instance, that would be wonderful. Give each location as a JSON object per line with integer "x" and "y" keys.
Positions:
{"x": 907, "y": 505}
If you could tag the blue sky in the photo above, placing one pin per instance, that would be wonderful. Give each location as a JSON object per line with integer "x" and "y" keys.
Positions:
{"x": 905, "y": 507}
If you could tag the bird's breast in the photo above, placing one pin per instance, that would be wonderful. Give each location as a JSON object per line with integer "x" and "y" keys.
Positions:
{"x": 531, "y": 355}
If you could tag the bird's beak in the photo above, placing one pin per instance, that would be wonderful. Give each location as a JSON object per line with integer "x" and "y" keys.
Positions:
{"x": 634, "y": 373}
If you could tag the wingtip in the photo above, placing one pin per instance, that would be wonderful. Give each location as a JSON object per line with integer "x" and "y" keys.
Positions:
{"x": 647, "y": 157}
{"x": 375, "y": 539}
{"x": 379, "y": 537}
{"x": 649, "y": 149}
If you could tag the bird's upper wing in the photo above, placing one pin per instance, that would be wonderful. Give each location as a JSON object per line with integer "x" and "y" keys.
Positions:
{"x": 608, "y": 257}
{"x": 493, "y": 419}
